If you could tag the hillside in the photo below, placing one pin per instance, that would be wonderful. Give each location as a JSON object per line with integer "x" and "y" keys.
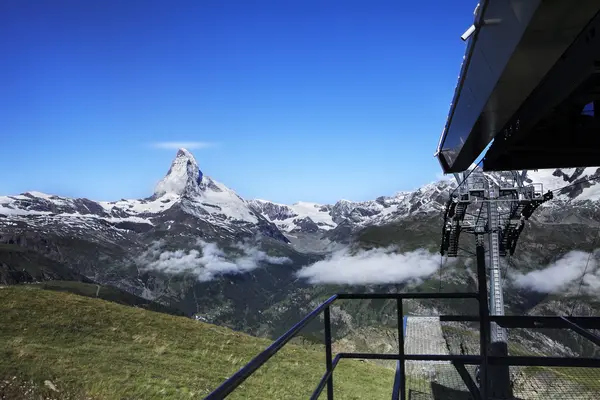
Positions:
{"x": 63, "y": 346}
{"x": 20, "y": 265}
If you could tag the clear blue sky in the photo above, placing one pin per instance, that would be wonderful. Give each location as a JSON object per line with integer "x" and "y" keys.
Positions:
{"x": 311, "y": 100}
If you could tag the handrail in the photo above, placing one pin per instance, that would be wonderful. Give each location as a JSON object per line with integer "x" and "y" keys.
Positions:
{"x": 465, "y": 359}
{"x": 236, "y": 379}
{"x": 577, "y": 324}
{"x": 416, "y": 295}
{"x": 397, "y": 381}
{"x": 243, "y": 373}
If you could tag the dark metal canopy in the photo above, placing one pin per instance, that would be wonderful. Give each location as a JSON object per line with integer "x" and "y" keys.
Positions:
{"x": 530, "y": 81}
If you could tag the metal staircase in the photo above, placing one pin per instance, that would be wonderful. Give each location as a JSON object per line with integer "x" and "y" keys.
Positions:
{"x": 496, "y": 295}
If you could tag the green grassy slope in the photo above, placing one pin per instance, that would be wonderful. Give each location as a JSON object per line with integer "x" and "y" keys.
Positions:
{"x": 93, "y": 349}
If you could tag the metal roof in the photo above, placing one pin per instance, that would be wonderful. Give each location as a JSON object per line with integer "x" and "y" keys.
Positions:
{"x": 528, "y": 83}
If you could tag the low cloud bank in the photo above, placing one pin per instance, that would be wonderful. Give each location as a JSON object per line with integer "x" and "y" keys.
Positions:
{"x": 560, "y": 275}
{"x": 207, "y": 260}
{"x": 377, "y": 266}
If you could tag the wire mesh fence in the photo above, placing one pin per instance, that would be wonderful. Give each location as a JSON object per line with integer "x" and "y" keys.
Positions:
{"x": 429, "y": 380}
{"x": 442, "y": 381}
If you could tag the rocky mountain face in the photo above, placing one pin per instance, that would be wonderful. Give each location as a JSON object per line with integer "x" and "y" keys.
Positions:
{"x": 196, "y": 245}
{"x": 313, "y": 217}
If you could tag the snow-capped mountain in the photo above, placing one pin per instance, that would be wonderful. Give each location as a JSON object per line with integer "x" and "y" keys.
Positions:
{"x": 312, "y": 217}
{"x": 342, "y": 219}
{"x": 301, "y": 216}
{"x": 580, "y": 184}
{"x": 201, "y": 195}
{"x": 195, "y": 202}
{"x": 183, "y": 193}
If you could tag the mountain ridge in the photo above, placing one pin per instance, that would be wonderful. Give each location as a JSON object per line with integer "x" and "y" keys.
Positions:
{"x": 187, "y": 187}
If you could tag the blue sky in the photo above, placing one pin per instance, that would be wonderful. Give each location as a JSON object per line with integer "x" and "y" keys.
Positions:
{"x": 311, "y": 100}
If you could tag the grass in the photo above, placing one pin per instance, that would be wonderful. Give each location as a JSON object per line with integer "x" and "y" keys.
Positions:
{"x": 91, "y": 348}
{"x": 587, "y": 377}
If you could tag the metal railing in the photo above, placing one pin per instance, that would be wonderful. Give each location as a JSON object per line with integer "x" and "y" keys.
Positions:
{"x": 478, "y": 392}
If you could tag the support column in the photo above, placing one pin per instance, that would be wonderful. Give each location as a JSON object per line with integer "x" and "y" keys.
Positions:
{"x": 484, "y": 320}
{"x": 499, "y": 375}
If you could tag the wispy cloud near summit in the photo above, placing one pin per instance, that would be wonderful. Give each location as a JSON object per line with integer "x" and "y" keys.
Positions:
{"x": 179, "y": 145}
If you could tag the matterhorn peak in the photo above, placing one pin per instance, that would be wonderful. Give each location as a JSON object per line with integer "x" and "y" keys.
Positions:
{"x": 185, "y": 153}
{"x": 184, "y": 176}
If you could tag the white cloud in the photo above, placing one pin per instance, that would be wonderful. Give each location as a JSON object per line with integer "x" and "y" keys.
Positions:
{"x": 182, "y": 145}
{"x": 559, "y": 275}
{"x": 206, "y": 262}
{"x": 377, "y": 266}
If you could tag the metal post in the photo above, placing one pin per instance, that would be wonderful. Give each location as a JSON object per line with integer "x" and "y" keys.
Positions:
{"x": 328, "y": 358}
{"x": 484, "y": 320}
{"x": 401, "y": 365}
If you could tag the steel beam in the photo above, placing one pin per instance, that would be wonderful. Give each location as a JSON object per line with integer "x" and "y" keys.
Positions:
{"x": 390, "y": 296}
{"x": 580, "y": 362}
{"x": 466, "y": 359}
{"x": 466, "y": 377}
{"x": 550, "y": 322}
{"x": 585, "y": 333}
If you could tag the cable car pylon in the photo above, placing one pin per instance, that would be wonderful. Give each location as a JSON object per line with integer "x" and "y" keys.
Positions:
{"x": 507, "y": 203}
